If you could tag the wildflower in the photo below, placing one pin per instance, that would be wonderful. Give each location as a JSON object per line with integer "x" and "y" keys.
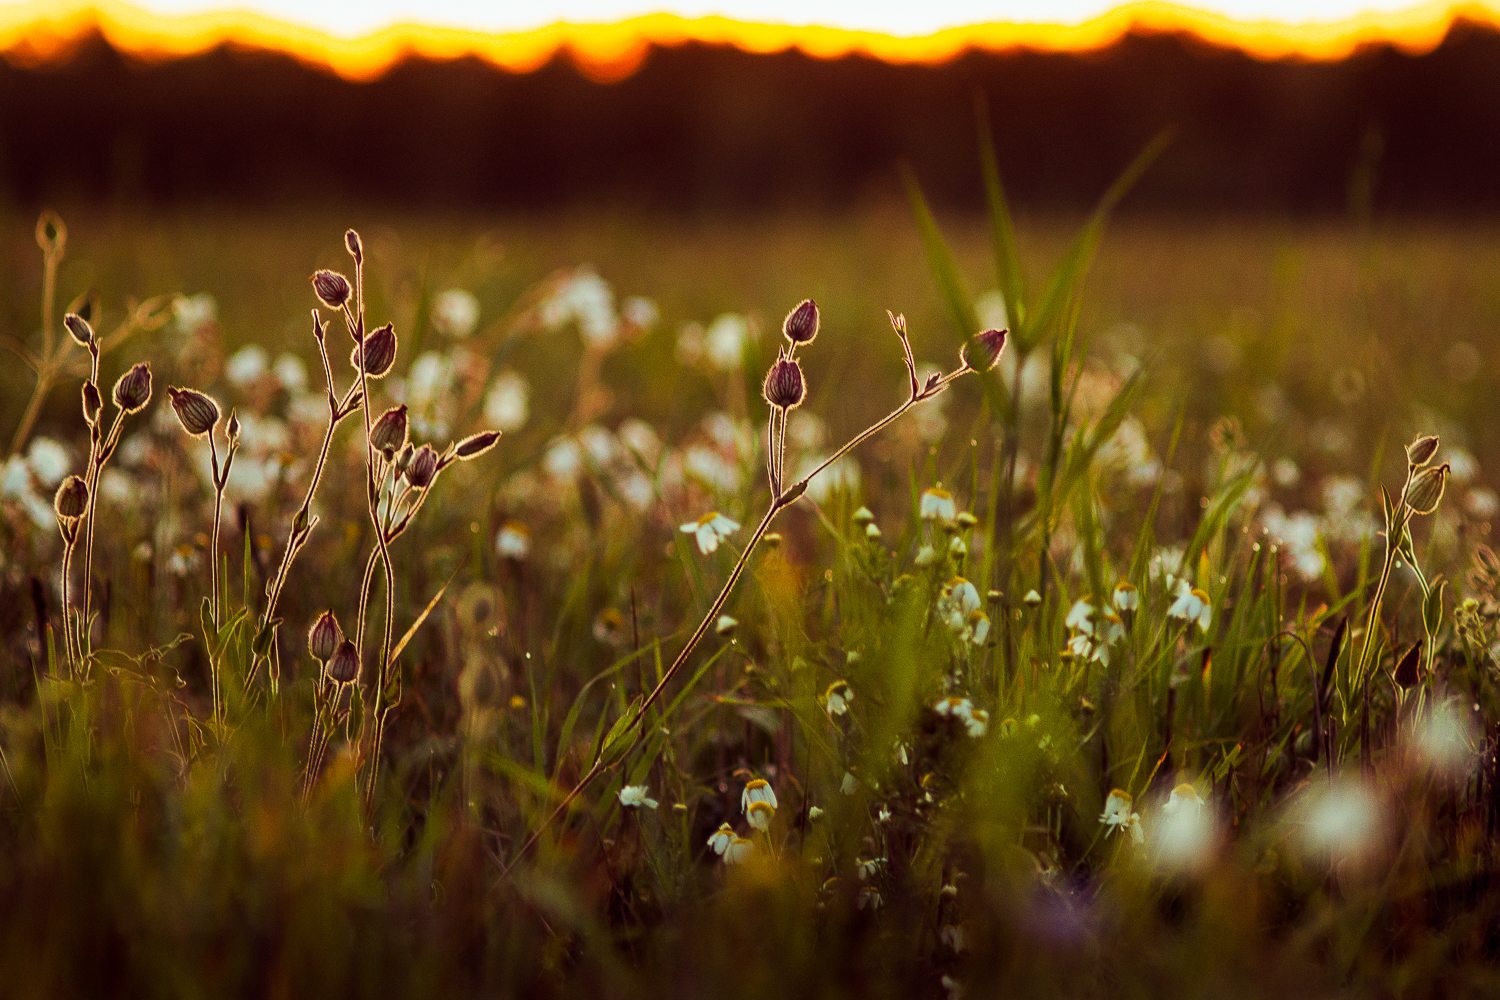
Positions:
{"x": 757, "y": 790}
{"x": 507, "y": 404}
{"x": 957, "y": 548}
{"x": 247, "y": 365}
{"x": 849, "y": 785}
{"x": 883, "y": 816}
{"x": 290, "y": 372}
{"x": 760, "y": 814}
{"x": 815, "y": 814}
{"x": 837, "y": 698}
{"x": 872, "y": 531}
{"x": 194, "y": 312}
{"x": 1118, "y": 817}
{"x": 1191, "y": 605}
{"x": 784, "y": 387}
{"x": 899, "y": 751}
{"x": 726, "y": 625}
{"x": 563, "y": 460}
{"x": 801, "y": 324}
{"x": 640, "y": 312}
{"x": 455, "y": 312}
{"x": 868, "y": 869}
{"x": 1184, "y": 799}
{"x": 738, "y": 851}
{"x": 724, "y": 341}
{"x": 955, "y": 937}
{"x": 958, "y": 708}
{"x": 978, "y": 723}
{"x": 1032, "y": 597}
{"x": 1126, "y": 597}
{"x": 977, "y": 627}
{"x": 937, "y": 505}
{"x": 634, "y": 796}
{"x": 710, "y": 529}
{"x": 721, "y": 838}
{"x": 1079, "y": 615}
{"x": 197, "y": 412}
{"x": 868, "y": 898}
{"x": 48, "y": 460}
{"x": 926, "y": 556}
{"x": 863, "y": 516}
{"x": 512, "y": 541}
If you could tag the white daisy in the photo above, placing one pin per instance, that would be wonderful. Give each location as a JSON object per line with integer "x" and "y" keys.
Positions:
{"x": 837, "y": 698}
{"x": 1118, "y": 816}
{"x": 512, "y": 541}
{"x": 710, "y": 529}
{"x": 738, "y": 851}
{"x": 721, "y": 839}
{"x": 937, "y": 505}
{"x": 455, "y": 312}
{"x": 634, "y": 796}
{"x": 757, "y": 790}
{"x": 1191, "y": 605}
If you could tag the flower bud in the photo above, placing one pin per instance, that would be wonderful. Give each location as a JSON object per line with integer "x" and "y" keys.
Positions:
{"x": 197, "y": 412}
{"x": 1420, "y": 451}
{"x": 332, "y": 288}
{"x": 133, "y": 390}
{"x": 380, "y": 352}
{"x": 784, "y": 388}
{"x": 324, "y": 637}
{"x": 475, "y": 445}
{"x": 981, "y": 351}
{"x": 356, "y": 248}
{"x": 343, "y": 667}
{"x": 404, "y": 459}
{"x": 232, "y": 429}
{"x": 801, "y": 324}
{"x": 1427, "y": 489}
{"x": 72, "y": 498}
{"x": 91, "y": 402}
{"x": 79, "y": 328}
{"x": 422, "y": 468}
{"x": 389, "y": 433}
{"x": 1408, "y": 670}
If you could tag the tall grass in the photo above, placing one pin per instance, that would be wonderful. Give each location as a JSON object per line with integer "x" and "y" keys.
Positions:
{"x": 1052, "y": 701}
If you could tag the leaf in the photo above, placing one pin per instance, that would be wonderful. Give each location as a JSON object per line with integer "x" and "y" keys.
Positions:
{"x": 622, "y": 736}
{"x": 1334, "y": 648}
{"x": 1432, "y": 608}
{"x": 940, "y": 260}
{"x": 425, "y": 612}
{"x": 571, "y": 719}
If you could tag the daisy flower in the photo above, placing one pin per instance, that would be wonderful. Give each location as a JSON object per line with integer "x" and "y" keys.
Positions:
{"x": 634, "y": 796}
{"x": 937, "y": 505}
{"x": 710, "y": 529}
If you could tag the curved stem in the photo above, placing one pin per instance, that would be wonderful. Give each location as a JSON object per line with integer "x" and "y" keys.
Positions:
{"x": 96, "y": 469}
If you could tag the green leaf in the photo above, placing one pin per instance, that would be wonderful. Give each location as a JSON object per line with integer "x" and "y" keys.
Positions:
{"x": 425, "y": 612}
{"x": 579, "y": 700}
{"x": 944, "y": 268}
{"x": 1432, "y": 608}
{"x": 261, "y": 647}
{"x": 622, "y": 736}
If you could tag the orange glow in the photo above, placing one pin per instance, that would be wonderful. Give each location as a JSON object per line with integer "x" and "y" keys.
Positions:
{"x": 46, "y": 31}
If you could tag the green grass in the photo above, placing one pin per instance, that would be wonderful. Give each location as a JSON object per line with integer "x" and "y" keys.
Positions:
{"x": 148, "y": 851}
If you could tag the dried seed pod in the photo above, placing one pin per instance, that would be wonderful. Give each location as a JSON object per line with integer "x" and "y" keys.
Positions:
{"x": 92, "y": 404}
{"x": 475, "y": 445}
{"x": 982, "y": 350}
{"x": 1420, "y": 451}
{"x": 197, "y": 411}
{"x": 380, "y": 352}
{"x": 1427, "y": 489}
{"x": 72, "y": 498}
{"x": 422, "y": 468}
{"x": 1408, "y": 670}
{"x": 356, "y": 248}
{"x": 332, "y": 288}
{"x": 801, "y": 324}
{"x": 133, "y": 389}
{"x": 343, "y": 667}
{"x": 389, "y": 433}
{"x": 79, "y": 329}
{"x": 324, "y": 637}
{"x": 784, "y": 387}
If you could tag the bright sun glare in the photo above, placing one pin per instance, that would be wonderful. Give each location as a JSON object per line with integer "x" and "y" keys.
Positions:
{"x": 609, "y": 38}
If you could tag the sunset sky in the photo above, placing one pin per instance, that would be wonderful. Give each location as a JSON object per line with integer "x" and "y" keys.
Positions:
{"x": 899, "y": 17}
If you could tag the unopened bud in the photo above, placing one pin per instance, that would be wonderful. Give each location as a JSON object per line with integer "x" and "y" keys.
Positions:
{"x": 356, "y": 248}
{"x": 91, "y": 403}
{"x": 197, "y": 412}
{"x": 133, "y": 390}
{"x": 422, "y": 468}
{"x": 324, "y": 637}
{"x": 1427, "y": 489}
{"x": 380, "y": 352}
{"x": 1420, "y": 451}
{"x": 332, "y": 288}
{"x": 801, "y": 324}
{"x": 982, "y": 350}
{"x": 389, "y": 433}
{"x": 343, "y": 667}
{"x": 79, "y": 329}
{"x": 233, "y": 427}
{"x": 72, "y": 498}
{"x": 784, "y": 387}
{"x": 404, "y": 459}
{"x": 1408, "y": 670}
{"x": 475, "y": 445}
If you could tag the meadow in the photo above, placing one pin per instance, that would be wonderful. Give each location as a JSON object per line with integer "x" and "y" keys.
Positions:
{"x": 1150, "y": 662}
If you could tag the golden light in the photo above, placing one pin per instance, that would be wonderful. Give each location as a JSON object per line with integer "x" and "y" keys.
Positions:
{"x": 47, "y": 31}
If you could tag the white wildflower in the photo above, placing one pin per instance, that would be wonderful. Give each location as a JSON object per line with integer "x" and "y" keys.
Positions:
{"x": 721, "y": 838}
{"x": 1126, "y": 597}
{"x": 635, "y": 796}
{"x": 937, "y": 505}
{"x": 760, "y": 814}
{"x": 1118, "y": 817}
{"x": 757, "y": 790}
{"x": 837, "y": 698}
{"x": 849, "y": 785}
{"x": 455, "y": 313}
{"x": 1191, "y": 605}
{"x": 507, "y": 403}
{"x": 563, "y": 460}
{"x": 724, "y": 341}
{"x": 291, "y": 373}
{"x": 710, "y": 529}
{"x": 640, "y": 312}
{"x": 512, "y": 541}
{"x": 738, "y": 851}
{"x": 49, "y": 461}
{"x": 194, "y": 312}
{"x": 247, "y": 365}
{"x": 868, "y": 868}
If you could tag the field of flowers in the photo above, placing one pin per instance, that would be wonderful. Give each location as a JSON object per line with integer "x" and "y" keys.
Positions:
{"x": 780, "y": 642}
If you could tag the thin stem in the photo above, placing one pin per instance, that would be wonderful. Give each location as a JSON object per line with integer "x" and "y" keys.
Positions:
{"x": 67, "y": 566}
{"x": 1372, "y": 622}
{"x": 96, "y": 469}
{"x": 213, "y": 552}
